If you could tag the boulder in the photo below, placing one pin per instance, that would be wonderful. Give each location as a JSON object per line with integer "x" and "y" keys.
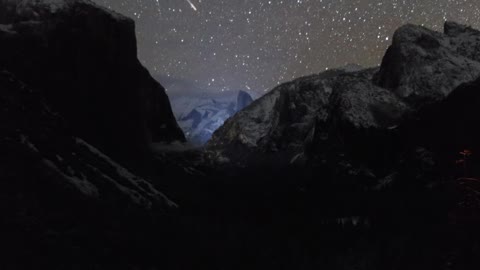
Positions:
{"x": 424, "y": 66}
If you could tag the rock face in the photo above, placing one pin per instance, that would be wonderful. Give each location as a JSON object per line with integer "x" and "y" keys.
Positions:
{"x": 84, "y": 59}
{"x": 425, "y": 66}
{"x": 382, "y": 143}
{"x": 351, "y": 122}
{"x": 200, "y": 116}
{"x": 34, "y": 137}
{"x": 287, "y": 118}
{"x": 56, "y": 188}
{"x": 72, "y": 95}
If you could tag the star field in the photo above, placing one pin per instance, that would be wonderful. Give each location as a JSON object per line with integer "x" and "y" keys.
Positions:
{"x": 245, "y": 44}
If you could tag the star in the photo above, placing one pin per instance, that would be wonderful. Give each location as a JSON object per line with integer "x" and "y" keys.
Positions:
{"x": 263, "y": 43}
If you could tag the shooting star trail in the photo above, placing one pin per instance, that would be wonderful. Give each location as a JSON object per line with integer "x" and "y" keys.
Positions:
{"x": 192, "y": 5}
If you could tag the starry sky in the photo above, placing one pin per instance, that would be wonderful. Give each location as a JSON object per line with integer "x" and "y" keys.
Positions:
{"x": 223, "y": 45}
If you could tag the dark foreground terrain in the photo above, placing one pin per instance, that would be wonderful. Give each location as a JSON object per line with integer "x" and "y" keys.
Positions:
{"x": 348, "y": 169}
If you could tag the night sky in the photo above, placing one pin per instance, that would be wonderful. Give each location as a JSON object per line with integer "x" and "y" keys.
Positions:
{"x": 256, "y": 44}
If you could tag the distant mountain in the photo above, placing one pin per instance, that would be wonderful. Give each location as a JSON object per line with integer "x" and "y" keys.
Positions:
{"x": 200, "y": 114}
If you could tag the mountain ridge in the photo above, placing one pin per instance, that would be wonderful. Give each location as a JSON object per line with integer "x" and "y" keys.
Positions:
{"x": 402, "y": 83}
{"x": 84, "y": 58}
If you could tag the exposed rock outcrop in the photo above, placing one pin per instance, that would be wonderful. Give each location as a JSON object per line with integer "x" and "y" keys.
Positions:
{"x": 424, "y": 66}
{"x": 286, "y": 119}
{"x": 34, "y": 137}
{"x": 74, "y": 98}
{"x": 84, "y": 58}
{"x": 62, "y": 199}
{"x": 351, "y": 123}
{"x": 392, "y": 144}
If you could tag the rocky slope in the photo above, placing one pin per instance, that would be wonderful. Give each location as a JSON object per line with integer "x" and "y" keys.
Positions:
{"x": 34, "y": 137}
{"x": 84, "y": 58}
{"x": 423, "y": 66}
{"x": 75, "y": 104}
{"x": 354, "y": 113}
{"x": 383, "y": 147}
{"x": 56, "y": 188}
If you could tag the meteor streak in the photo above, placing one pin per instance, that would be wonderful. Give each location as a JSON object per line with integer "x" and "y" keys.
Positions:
{"x": 192, "y": 5}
